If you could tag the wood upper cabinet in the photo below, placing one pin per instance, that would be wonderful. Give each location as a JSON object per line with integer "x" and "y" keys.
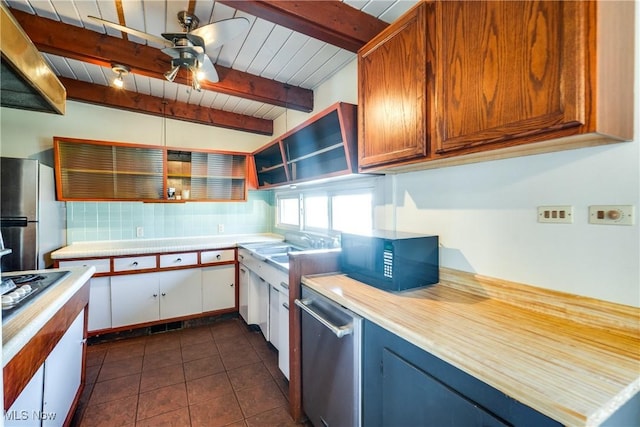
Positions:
{"x": 322, "y": 147}
{"x": 100, "y": 170}
{"x": 455, "y": 82}
{"x": 392, "y": 92}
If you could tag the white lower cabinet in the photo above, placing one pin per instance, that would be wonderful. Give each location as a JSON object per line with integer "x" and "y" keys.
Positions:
{"x": 243, "y": 293}
{"x": 147, "y": 297}
{"x": 262, "y": 289}
{"x": 99, "y": 304}
{"x": 62, "y": 374}
{"x": 274, "y": 316}
{"x": 283, "y": 334}
{"x": 46, "y": 400}
{"x": 28, "y": 406}
{"x": 180, "y": 293}
{"x": 135, "y": 299}
{"x": 219, "y": 287}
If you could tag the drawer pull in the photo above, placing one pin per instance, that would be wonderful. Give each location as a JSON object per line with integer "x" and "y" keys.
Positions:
{"x": 231, "y": 285}
{"x": 135, "y": 263}
{"x": 179, "y": 260}
{"x": 219, "y": 257}
{"x": 285, "y": 305}
{"x": 284, "y": 285}
{"x": 241, "y": 257}
{"x": 242, "y": 270}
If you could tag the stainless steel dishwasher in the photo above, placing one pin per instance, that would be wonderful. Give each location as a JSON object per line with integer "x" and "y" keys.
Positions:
{"x": 331, "y": 351}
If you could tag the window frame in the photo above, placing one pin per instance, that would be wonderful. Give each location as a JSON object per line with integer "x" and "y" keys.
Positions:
{"x": 361, "y": 186}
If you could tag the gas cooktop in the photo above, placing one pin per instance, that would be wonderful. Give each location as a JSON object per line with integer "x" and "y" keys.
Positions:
{"x": 19, "y": 290}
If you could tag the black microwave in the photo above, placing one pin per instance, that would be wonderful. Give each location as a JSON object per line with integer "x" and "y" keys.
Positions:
{"x": 391, "y": 260}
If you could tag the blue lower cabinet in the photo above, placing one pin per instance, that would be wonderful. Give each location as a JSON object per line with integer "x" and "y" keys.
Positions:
{"x": 406, "y": 386}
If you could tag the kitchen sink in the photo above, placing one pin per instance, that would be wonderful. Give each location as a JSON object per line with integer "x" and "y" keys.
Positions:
{"x": 280, "y": 258}
{"x": 269, "y": 250}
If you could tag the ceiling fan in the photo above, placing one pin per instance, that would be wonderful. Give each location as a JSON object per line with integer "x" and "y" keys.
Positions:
{"x": 190, "y": 49}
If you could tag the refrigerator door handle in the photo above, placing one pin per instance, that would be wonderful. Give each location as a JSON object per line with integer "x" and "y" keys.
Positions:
{"x": 19, "y": 221}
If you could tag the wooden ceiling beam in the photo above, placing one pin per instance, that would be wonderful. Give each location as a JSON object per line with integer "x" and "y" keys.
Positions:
{"x": 332, "y": 21}
{"x": 147, "y": 104}
{"x": 89, "y": 46}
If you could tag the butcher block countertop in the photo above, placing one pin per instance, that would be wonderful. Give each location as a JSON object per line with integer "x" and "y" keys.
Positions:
{"x": 152, "y": 246}
{"x": 574, "y": 359}
{"x": 18, "y": 330}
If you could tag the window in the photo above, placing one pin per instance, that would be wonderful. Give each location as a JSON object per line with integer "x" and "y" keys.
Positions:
{"x": 329, "y": 210}
{"x": 289, "y": 212}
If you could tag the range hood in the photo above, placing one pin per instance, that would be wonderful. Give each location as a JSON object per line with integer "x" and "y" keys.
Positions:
{"x": 26, "y": 80}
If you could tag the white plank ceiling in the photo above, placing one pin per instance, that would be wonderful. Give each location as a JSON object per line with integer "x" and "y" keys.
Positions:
{"x": 267, "y": 50}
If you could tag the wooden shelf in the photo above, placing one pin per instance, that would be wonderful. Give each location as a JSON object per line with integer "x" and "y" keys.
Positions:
{"x": 323, "y": 146}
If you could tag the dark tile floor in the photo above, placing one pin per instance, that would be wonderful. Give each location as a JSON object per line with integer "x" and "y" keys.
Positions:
{"x": 217, "y": 375}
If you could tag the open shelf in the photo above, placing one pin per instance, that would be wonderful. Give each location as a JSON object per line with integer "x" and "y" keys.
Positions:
{"x": 321, "y": 147}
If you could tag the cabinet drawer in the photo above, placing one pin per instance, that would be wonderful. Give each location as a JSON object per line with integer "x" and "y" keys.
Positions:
{"x": 134, "y": 263}
{"x": 102, "y": 265}
{"x": 224, "y": 255}
{"x": 178, "y": 260}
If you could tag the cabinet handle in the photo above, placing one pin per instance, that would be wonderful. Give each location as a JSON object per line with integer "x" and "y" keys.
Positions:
{"x": 275, "y": 289}
{"x": 219, "y": 257}
{"x": 155, "y": 295}
{"x": 284, "y": 285}
{"x": 231, "y": 285}
{"x": 241, "y": 256}
{"x": 285, "y": 305}
{"x": 164, "y": 294}
{"x": 179, "y": 260}
{"x": 135, "y": 263}
{"x": 242, "y": 270}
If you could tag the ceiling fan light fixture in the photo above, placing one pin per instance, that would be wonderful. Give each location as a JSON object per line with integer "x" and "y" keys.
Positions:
{"x": 120, "y": 70}
{"x": 171, "y": 74}
{"x": 195, "y": 81}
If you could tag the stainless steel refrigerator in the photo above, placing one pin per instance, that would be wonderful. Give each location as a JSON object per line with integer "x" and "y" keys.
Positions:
{"x": 32, "y": 221}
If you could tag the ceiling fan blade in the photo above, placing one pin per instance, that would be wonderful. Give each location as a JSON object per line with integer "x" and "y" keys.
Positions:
{"x": 210, "y": 73}
{"x": 216, "y": 34}
{"x": 141, "y": 34}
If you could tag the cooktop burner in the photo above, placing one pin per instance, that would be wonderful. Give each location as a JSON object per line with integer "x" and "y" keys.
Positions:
{"x": 19, "y": 290}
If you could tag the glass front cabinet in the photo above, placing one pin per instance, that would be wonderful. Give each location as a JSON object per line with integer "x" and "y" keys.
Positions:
{"x": 100, "y": 170}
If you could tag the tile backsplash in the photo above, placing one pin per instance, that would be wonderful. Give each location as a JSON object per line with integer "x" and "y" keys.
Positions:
{"x": 90, "y": 221}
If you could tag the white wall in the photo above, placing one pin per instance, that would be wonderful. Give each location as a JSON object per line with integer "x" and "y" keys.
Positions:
{"x": 30, "y": 134}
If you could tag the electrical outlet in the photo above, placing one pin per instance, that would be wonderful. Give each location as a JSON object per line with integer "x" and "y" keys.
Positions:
{"x": 555, "y": 214}
{"x": 139, "y": 232}
{"x": 220, "y": 228}
{"x": 611, "y": 214}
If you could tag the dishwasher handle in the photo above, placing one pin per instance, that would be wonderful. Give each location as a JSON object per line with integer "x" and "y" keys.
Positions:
{"x": 338, "y": 331}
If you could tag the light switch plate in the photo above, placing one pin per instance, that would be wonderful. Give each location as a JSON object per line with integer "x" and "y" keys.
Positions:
{"x": 612, "y": 214}
{"x": 555, "y": 214}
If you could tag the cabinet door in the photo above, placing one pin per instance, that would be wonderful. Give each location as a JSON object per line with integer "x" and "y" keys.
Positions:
{"x": 262, "y": 305}
{"x": 243, "y": 293}
{"x": 95, "y": 170}
{"x": 218, "y": 287}
{"x": 135, "y": 299}
{"x": 62, "y": 374}
{"x": 180, "y": 293}
{"x": 274, "y": 316}
{"x": 100, "y": 304}
{"x": 28, "y": 403}
{"x": 507, "y": 70}
{"x": 283, "y": 333}
{"x": 411, "y": 397}
{"x": 392, "y": 104}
